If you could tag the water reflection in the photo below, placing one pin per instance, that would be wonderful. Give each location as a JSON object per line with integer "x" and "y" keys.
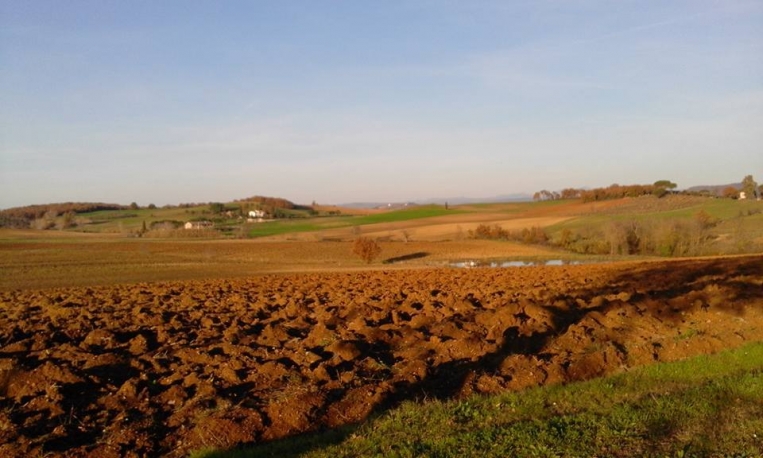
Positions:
{"x": 550, "y": 262}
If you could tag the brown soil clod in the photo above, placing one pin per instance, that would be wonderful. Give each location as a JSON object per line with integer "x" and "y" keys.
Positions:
{"x": 165, "y": 368}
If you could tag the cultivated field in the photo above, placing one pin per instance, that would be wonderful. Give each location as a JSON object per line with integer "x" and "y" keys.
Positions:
{"x": 169, "y": 367}
{"x": 102, "y": 260}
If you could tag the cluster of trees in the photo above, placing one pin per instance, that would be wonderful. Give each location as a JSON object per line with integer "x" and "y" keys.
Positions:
{"x": 653, "y": 237}
{"x": 534, "y": 235}
{"x": 616, "y": 191}
{"x": 268, "y": 202}
{"x": 216, "y": 207}
{"x": 567, "y": 193}
{"x": 637, "y": 237}
{"x": 241, "y": 209}
{"x": 47, "y": 215}
{"x": 274, "y": 206}
{"x": 660, "y": 188}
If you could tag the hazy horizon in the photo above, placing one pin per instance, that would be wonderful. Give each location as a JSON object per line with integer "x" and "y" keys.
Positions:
{"x": 347, "y": 101}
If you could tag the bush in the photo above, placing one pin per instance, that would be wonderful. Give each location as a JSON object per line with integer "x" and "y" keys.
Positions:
{"x": 165, "y": 224}
{"x": 535, "y": 235}
{"x": 673, "y": 237}
{"x": 216, "y": 207}
{"x": 366, "y": 249}
{"x": 483, "y": 231}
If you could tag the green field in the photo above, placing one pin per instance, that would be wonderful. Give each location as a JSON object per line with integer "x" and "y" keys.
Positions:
{"x": 322, "y": 223}
{"x": 517, "y": 207}
{"x": 704, "y": 406}
{"x": 132, "y": 220}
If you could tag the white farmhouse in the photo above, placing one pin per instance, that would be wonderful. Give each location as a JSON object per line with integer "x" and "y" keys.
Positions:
{"x": 256, "y": 214}
{"x": 742, "y": 195}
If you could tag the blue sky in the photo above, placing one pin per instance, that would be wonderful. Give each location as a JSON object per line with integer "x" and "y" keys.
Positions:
{"x": 341, "y": 101}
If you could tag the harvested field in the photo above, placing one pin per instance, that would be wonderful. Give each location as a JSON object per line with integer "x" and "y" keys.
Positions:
{"x": 86, "y": 261}
{"x": 164, "y": 368}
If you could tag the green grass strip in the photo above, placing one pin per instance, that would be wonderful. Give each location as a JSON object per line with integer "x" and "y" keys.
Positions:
{"x": 317, "y": 224}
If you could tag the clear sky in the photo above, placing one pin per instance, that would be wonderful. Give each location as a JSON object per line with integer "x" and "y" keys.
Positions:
{"x": 340, "y": 101}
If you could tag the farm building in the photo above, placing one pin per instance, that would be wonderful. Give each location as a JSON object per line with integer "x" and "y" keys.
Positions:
{"x": 256, "y": 213}
{"x": 742, "y": 195}
{"x": 198, "y": 225}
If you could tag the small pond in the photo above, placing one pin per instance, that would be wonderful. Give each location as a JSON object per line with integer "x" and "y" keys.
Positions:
{"x": 550, "y": 262}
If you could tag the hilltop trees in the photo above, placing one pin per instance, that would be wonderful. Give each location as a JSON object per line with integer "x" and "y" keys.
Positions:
{"x": 571, "y": 193}
{"x": 662, "y": 187}
{"x": 266, "y": 203}
{"x": 25, "y": 217}
{"x": 667, "y": 184}
{"x": 567, "y": 193}
{"x": 614, "y": 191}
{"x": 546, "y": 195}
{"x": 216, "y": 207}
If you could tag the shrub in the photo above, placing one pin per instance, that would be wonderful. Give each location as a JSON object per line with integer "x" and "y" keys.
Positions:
{"x": 495, "y": 232}
{"x": 533, "y": 235}
{"x": 216, "y": 207}
{"x": 166, "y": 225}
{"x": 366, "y": 249}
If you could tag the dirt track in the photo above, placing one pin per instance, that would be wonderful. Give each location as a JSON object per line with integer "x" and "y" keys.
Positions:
{"x": 164, "y": 368}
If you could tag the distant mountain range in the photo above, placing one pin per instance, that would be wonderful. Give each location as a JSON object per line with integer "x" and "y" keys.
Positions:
{"x": 442, "y": 201}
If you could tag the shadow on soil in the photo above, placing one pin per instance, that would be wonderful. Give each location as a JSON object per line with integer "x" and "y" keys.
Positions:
{"x": 663, "y": 291}
{"x": 407, "y": 257}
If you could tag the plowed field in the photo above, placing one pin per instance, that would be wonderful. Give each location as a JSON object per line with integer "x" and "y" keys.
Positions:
{"x": 164, "y": 368}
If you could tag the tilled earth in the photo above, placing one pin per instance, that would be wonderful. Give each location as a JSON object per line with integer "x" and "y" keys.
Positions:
{"x": 165, "y": 368}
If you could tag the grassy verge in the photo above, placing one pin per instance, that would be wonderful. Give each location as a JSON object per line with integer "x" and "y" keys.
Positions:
{"x": 705, "y": 406}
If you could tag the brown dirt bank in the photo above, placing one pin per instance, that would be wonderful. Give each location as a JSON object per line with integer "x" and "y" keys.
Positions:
{"x": 163, "y": 368}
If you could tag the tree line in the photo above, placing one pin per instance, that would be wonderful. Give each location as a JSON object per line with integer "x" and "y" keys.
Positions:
{"x": 23, "y": 217}
{"x": 268, "y": 202}
{"x": 614, "y": 191}
{"x": 659, "y": 188}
